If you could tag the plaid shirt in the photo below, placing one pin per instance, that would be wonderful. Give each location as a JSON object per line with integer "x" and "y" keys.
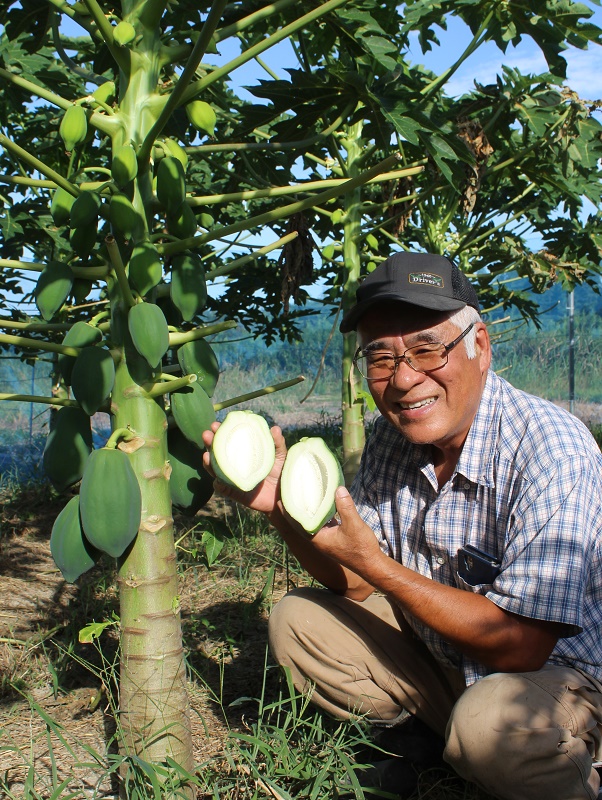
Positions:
{"x": 527, "y": 489}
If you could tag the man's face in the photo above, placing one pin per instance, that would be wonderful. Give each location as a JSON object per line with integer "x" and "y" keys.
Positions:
{"x": 434, "y": 408}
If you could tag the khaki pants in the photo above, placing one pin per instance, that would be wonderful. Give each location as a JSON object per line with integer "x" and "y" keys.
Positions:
{"x": 520, "y": 736}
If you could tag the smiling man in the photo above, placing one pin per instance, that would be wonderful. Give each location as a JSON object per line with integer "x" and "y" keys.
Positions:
{"x": 464, "y": 576}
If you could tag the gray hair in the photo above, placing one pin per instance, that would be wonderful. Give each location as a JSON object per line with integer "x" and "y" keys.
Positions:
{"x": 462, "y": 319}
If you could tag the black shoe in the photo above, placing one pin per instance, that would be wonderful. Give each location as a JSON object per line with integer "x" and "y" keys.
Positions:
{"x": 414, "y": 741}
{"x": 395, "y": 778}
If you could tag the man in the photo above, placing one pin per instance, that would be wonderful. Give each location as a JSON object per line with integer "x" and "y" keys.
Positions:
{"x": 476, "y": 516}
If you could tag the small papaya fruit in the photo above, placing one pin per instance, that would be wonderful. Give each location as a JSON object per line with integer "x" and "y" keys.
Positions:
{"x": 84, "y": 210}
{"x": 73, "y": 127}
{"x": 145, "y": 267}
{"x": 53, "y": 288}
{"x": 171, "y": 183}
{"x": 190, "y": 485}
{"x": 72, "y": 552}
{"x": 110, "y": 501}
{"x": 83, "y": 240}
{"x": 202, "y": 116}
{"x": 67, "y": 448}
{"x": 198, "y": 357}
{"x": 124, "y": 166}
{"x": 81, "y": 289}
{"x": 193, "y": 412}
{"x": 182, "y": 222}
{"x": 149, "y": 332}
{"x": 123, "y": 216}
{"x": 188, "y": 288}
{"x": 124, "y": 33}
{"x": 92, "y": 378}
{"x": 177, "y": 151}
{"x": 80, "y": 334}
{"x": 60, "y": 207}
{"x": 105, "y": 93}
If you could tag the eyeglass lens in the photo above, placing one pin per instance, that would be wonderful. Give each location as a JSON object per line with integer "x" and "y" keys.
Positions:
{"x": 421, "y": 358}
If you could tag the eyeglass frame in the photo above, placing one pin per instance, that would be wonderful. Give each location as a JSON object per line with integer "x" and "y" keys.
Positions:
{"x": 397, "y": 359}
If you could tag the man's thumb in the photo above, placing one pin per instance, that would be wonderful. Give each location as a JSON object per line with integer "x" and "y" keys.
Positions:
{"x": 344, "y": 503}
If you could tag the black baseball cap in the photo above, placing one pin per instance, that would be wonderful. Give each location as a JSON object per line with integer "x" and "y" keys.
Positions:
{"x": 418, "y": 279}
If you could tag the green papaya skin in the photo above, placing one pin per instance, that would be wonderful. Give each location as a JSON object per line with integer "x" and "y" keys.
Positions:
{"x": 110, "y": 501}
{"x": 145, "y": 269}
{"x": 123, "y": 216}
{"x": 190, "y": 485}
{"x": 83, "y": 240}
{"x": 74, "y": 127}
{"x": 171, "y": 183}
{"x": 198, "y": 357}
{"x": 202, "y": 116}
{"x": 67, "y": 448}
{"x": 182, "y": 222}
{"x": 81, "y": 334}
{"x": 149, "y": 332}
{"x": 84, "y": 210}
{"x": 193, "y": 412}
{"x": 92, "y": 378}
{"x": 60, "y": 207}
{"x": 72, "y": 552}
{"x": 188, "y": 288}
{"x": 124, "y": 165}
{"x": 53, "y": 288}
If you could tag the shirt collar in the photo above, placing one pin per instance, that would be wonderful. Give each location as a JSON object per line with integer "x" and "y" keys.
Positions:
{"x": 476, "y": 462}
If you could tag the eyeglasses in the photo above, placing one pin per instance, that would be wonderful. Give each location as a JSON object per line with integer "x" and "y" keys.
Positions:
{"x": 379, "y": 366}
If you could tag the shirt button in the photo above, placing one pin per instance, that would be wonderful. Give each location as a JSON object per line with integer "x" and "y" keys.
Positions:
{"x": 441, "y": 560}
{"x": 467, "y": 486}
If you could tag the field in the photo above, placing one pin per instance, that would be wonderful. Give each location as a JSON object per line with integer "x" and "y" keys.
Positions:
{"x": 253, "y": 736}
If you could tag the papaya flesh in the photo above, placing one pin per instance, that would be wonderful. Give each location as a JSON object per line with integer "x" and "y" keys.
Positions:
{"x": 72, "y": 552}
{"x": 149, "y": 332}
{"x": 190, "y": 485}
{"x": 243, "y": 450}
{"x": 198, "y": 357}
{"x": 53, "y": 288}
{"x": 110, "y": 501}
{"x": 92, "y": 378}
{"x": 67, "y": 448}
{"x": 193, "y": 412}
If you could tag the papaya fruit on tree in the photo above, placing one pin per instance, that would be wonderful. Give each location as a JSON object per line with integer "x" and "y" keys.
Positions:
{"x": 105, "y": 93}
{"x": 74, "y": 127}
{"x": 182, "y": 222}
{"x": 202, "y": 116}
{"x": 176, "y": 150}
{"x": 67, "y": 448}
{"x": 124, "y": 33}
{"x": 84, "y": 210}
{"x": 53, "y": 288}
{"x": 124, "y": 166}
{"x": 188, "y": 288}
{"x": 198, "y": 357}
{"x": 80, "y": 334}
{"x": 171, "y": 183}
{"x": 190, "y": 485}
{"x": 145, "y": 268}
{"x": 72, "y": 552}
{"x": 60, "y": 207}
{"x": 92, "y": 378}
{"x": 149, "y": 332}
{"x": 83, "y": 239}
{"x": 193, "y": 412}
{"x": 123, "y": 216}
{"x": 110, "y": 501}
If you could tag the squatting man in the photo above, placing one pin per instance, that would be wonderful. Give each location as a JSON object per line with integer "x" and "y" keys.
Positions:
{"x": 463, "y": 578}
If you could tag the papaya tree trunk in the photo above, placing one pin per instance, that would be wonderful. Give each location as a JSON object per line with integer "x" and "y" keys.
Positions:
{"x": 352, "y": 406}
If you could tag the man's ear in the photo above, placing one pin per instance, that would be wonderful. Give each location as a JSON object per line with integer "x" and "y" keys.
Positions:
{"x": 483, "y": 346}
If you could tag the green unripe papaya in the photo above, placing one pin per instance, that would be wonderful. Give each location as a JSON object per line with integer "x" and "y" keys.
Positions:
{"x": 110, "y": 502}
{"x": 177, "y": 151}
{"x": 198, "y": 357}
{"x": 84, "y": 210}
{"x": 73, "y": 127}
{"x": 124, "y": 166}
{"x": 190, "y": 485}
{"x": 105, "y": 92}
{"x": 149, "y": 332}
{"x": 92, "y": 378}
{"x": 123, "y": 216}
{"x": 193, "y": 412}
{"x": 60, "y": 207}
{"x": 72, "y": 552}
{"x": 171, "y": 183}
{"x": 124, "y": 33}
{"x": 182, "y": 222}
{"x": 67, "y": 448}
{"x": 188, "y": 288}
{"x": 202, "y": 116}
{"x": 145, "y": 268}
{"x": 81, "y": 334}
{"x": 53, "y": 288}
{"x": 81, "y": 289}
{"x": 83, "y": 240}
{"x": 243, "y": 450}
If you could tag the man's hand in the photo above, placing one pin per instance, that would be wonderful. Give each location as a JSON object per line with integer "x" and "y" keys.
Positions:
{"x": 266, "y": 494}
